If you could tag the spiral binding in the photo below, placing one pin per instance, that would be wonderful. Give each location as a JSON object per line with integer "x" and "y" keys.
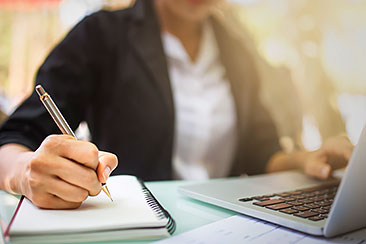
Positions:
{"x": 160, "y": 212}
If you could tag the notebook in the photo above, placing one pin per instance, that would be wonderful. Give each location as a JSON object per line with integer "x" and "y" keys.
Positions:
{"x": 134, "y": 214}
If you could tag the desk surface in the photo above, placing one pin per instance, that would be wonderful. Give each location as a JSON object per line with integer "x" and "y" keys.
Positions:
{"x": 188, "y": 213}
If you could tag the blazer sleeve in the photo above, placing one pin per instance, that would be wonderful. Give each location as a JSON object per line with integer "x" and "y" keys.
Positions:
{"x": 69, "y": 76}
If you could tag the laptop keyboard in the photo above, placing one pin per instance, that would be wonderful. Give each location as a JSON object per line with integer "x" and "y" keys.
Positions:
{"x": 312, "y": 203}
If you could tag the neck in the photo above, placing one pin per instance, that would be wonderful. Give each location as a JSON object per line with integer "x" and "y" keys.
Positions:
{"x": 187, "y": 31}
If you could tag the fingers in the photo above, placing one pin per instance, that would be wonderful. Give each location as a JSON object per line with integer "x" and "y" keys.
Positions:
{"x": 335, "y": 153}
{"x": 78, "y": 175}
{"x": 316, "y": 166}
{"x": 70, "y": 160}
{"x": 49, "y": 201}
{"x": 60, "y": 196}
{"x": 318, "y": 170}
{"x": 82, "y": 152}
{"x": 63, "y": 172}
{"x": 107, "y": 163}
{"x": 66, "y": 191}
{"x": 339, "y": 148}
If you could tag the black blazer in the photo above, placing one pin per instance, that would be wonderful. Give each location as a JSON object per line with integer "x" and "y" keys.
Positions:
{"x": 111, "y": 71}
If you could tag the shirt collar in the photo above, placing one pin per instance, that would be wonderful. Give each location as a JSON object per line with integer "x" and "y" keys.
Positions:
{"x": 207, "y": 54}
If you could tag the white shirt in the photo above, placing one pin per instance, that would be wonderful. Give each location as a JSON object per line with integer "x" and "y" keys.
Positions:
{"x": 205, "y": 129}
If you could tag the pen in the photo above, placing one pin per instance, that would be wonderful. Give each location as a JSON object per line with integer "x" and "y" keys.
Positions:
{"x": 60, "y": 121}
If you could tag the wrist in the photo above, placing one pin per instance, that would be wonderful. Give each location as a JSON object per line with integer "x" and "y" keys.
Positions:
{"x": 286, "y": 161}
{"x": 300, "y": 158}
{"x": 17, "y": 182}
{"x": 13, "y": 161}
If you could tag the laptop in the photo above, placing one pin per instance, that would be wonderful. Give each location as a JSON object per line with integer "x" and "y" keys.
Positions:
{"x": 294, "y": 200}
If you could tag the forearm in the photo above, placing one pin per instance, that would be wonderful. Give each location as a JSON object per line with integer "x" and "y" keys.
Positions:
{"x": 317, "y": 164}
{"x": 286, "y": 161}
{"x": 13, "y": 158}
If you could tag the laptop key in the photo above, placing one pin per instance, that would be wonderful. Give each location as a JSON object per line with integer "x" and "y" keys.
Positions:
{"x": 288, "y": 198}
{"x": 316, "y": 218}
{"x": 294, "y": 193}
{"x": 268, "y": 202}
{"x": 311, "y": 205}
{"x": 295, "y": 203}
{"x": 307, "y": 190}
{"x": 306, "y": 214}
{"x": 318, "y": 198}
{"x": 246, "y": 199}
{"x": 283, "y": 194}
{"x": 261, "y": 198}
{"x": 309, "y": 195}
{"x": 300, "y": 197}
{"x": 300, "y": 208}
{"x": 306, "y": 201}
{"x": 324, "y": 204}
{"x": 321, "y": 211}
{"x": 279, "y": 206}
{"x": 288, "y": 211}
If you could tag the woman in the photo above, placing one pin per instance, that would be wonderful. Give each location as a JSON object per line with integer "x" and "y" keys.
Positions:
{"x": 162, "y": 85}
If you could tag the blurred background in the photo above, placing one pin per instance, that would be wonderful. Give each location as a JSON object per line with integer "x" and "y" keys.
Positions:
{"x": 311, "y": 56}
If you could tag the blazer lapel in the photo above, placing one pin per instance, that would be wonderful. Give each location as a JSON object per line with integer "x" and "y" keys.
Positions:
{"x": 241, "y": 74}
{"x": 239, "y": 70}
{"x": 144, "y": 36}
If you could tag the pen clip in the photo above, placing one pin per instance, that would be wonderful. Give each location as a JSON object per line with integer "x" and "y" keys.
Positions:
{"x": 54, "y": 111}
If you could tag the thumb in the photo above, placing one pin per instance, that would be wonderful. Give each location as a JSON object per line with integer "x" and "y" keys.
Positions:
{"x": 107, "y": 163}
{"x": 318, "y": 167}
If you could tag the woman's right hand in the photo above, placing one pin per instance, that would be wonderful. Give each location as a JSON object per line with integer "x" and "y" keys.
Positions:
{"x": 60, "y": 174}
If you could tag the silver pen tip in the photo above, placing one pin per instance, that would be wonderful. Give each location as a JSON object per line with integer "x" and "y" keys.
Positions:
{"x": 40, "y": 90}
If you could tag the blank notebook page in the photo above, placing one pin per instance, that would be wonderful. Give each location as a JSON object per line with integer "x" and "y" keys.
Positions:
{"x": 129, "y": 209}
